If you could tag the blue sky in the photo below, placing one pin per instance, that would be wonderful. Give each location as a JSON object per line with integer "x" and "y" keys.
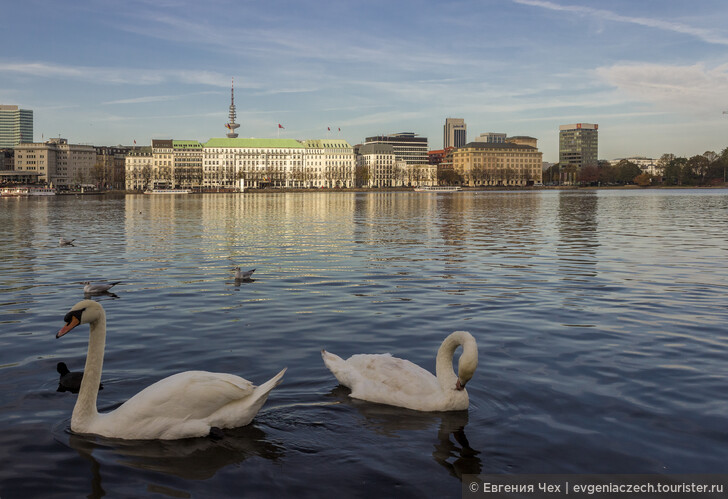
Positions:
{"x": 652, "y": 73}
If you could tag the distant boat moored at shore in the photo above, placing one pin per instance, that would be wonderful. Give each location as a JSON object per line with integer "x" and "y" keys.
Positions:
{"x": 438, "y": 188}
{"x": 27, "y": 191}
{"x": 169, "y": 191}
{"x": 41, "y": 191}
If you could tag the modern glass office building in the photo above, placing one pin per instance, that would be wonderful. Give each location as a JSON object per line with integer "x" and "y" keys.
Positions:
{"x": 16, "y": 126}
{"x": 579, "y": 144}
{"x": 408, "y": 146}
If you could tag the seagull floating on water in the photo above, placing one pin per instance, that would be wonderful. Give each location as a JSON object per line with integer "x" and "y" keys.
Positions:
{"x": 243, "y": 275}
{"x": 70, "y": 381}
{"x": 65, "y": 242}
{"x": 98, "y": 287}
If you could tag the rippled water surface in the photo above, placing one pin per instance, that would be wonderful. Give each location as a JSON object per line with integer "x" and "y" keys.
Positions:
{"x": 600, "y": 318}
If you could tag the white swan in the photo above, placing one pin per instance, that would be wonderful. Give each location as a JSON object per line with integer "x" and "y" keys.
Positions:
{"x": 388, "y": 380}
{"x": 187, "y": 404}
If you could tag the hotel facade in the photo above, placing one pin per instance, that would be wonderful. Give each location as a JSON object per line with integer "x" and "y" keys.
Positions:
{"x": 234, "y": 164}
{"x": 516, "y": 162}
{"x": 58, "y": 163}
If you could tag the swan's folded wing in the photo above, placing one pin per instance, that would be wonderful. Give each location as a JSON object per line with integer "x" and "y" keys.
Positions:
{"x": 390, "y": 374}
{"x": 191, "y": 394}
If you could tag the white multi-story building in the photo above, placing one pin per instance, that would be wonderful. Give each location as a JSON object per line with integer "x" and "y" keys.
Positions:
{"x": 235, "y": 163}
{"x": 239, "y": 163}
{"x": 415, "y": 175}
{"x": 139, "y": 169}
{"x": 328, "y": 163}
{"x": 59, "y": 163}
{"x": 376, "y": 164}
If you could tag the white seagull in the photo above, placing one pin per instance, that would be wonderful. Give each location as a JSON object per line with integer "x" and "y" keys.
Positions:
{"x": 243, "y": 276}
{"x": 98, "y": 287}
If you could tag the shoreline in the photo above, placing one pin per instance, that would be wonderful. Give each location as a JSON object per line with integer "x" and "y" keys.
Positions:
{"x": 283, "y": 190}
{"x": 411, "y": 189}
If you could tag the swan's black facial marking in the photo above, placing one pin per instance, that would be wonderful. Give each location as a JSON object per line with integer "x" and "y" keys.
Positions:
{"x": 72, "y": 319}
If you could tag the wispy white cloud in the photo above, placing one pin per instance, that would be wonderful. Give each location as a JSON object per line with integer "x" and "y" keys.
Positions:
{"x": 156, "y": 98}
{"x": 127, "y": 76}
{"x": 329, "y": 45}
{"x": 694, "y": 89}
{"x": 706, "y": 35}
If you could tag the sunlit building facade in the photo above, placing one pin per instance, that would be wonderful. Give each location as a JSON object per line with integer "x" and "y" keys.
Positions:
{"x": 512, "y": 163}
{"x": 376, "y": 165}
{"x": 327, "y": 163}
{"x": 59, "y": 163}
{"x": 234, "y": 164}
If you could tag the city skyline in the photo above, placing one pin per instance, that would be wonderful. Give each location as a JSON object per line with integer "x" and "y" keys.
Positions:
{"x": 654, "y": 75}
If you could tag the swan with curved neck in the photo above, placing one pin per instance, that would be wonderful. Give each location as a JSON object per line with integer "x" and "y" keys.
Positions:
{"x": 184, "y": 405}
{"x": 389, "y": 380}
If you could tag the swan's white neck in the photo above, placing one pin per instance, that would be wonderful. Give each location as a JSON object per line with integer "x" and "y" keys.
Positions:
{"x": 85, "y": 409}
{"x": 443, "y": 367}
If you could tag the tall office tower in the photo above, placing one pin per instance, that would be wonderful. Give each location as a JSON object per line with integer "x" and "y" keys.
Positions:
{"x": 579, "y": 144}
{"x": 455, "y": 133}
{"x": 231, "y": 125}
{"x": 16, "y": 126}
{"x": 408, "y": 147}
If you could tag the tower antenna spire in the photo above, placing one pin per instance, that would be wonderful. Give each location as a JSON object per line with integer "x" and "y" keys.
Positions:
{"x": 231, "y": 125}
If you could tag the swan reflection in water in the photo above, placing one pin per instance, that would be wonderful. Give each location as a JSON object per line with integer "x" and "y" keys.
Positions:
{"x": 454, "y": 454}
{"x": 191, "y": 458}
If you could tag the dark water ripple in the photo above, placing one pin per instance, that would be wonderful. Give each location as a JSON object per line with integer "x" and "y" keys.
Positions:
{"x": 600, "y": 318}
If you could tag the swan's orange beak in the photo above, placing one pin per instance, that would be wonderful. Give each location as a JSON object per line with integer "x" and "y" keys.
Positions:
{"x": 73, "y": 322}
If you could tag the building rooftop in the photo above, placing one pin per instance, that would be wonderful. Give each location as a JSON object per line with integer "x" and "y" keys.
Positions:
{"x": 251, "y": 143}
{"x": 326, "y": 143}
{"x": 492, "y": 145}
{"x": 376, "y": 148}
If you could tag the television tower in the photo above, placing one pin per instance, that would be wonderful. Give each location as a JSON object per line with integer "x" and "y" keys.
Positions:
{"x": 231, "y": 125}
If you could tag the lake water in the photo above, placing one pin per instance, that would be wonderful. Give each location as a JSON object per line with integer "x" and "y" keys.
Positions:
{"x": 600, "y": 318}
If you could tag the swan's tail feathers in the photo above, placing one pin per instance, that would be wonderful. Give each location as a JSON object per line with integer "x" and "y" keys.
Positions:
{"x": 241, "y": 412}
{"x": 114, "y": 283}
{"x": 270, "y": 384}
{"x": 260, "y": 395}
{"x": 337, "y": 366}
{"x": 332, "y": 361}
